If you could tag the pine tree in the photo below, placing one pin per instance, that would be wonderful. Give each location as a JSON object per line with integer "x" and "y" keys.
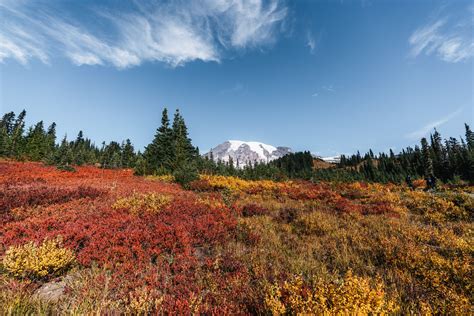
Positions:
{"x": 17, "y": 138}
{"x": 427, "y": 161}
{"x": 63, "y": 155}
{"x": 128, "y": 155}
{"x": 469, "y": 138}
{"x": 51, "y": 138}
{"x": 4, "y": 142}
{"x": 6, "y": 128}
{"x": 36, "y": 142}
{"x": 184, "y": 152}
{"x": 159, "y": 154}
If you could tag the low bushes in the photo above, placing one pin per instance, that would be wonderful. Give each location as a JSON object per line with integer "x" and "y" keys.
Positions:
{"x": 350, "y": 295}
{"x": 137, "y": 204}
{"x": 236, "y": 247}
{"x": 12, "y": 196}
{"x": 30, "y": 260}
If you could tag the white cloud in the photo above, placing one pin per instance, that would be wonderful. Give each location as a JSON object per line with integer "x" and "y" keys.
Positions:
{"x": 237, "y": 88}
{"x": 324, "y": 90}
{"x": 449, "y": 37}
{"x": 426, "y": 129}
{"x": 311, "y": 42}
{"x": 328, "y": 88}
{"x": 174, "y": 33}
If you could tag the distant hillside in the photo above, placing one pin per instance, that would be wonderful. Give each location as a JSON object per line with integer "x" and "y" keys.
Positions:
{"x": 322, "y": 164}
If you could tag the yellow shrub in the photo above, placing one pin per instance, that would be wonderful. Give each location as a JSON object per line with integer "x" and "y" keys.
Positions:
{"x": 239, "y": 185}
{"x": 433, "y": 208}
{"x": 168, "y": 178}
{"x": 143, "y": 302}
{"x": 31, "y": 260}
{"x": 138, "y": 204}
{"x": 352, "y": 295}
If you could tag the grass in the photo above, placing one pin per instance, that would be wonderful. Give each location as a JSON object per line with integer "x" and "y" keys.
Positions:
{"x": 234, "y": 247}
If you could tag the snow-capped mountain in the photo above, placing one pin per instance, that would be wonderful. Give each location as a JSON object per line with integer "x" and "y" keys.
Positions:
{"x": 333, "y": 159}
{"x": 245, "y": 153}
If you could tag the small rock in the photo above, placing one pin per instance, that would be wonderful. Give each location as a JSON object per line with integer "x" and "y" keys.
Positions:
{"x": 52, "y": 291}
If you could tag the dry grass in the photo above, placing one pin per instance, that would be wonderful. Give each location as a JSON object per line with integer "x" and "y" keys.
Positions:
{"x": 247, "y": 247}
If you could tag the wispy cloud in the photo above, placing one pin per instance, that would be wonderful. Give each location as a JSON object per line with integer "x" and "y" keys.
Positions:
{"x": 328, "y": 88}
{"x": 426, "y": 129}
{"x": 449, "y": 37}
{"x": 174, "y": 33}
{"x": 237, "y": 88}
{"x": 311, "y": 42}
{"x": 324, "y": 89}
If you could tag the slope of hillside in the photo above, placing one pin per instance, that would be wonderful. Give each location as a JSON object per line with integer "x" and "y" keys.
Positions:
{"x": 114, "y": 243}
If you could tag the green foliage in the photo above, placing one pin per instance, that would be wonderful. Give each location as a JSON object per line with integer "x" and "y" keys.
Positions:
{"x": 171, "y": 151}
{"x": 186, "y": 174}
{"x": 66, "y": 168}
{"x": 38, "y": 144}
{"x": 449, "y": 161}
{"x": 158, "y": 154}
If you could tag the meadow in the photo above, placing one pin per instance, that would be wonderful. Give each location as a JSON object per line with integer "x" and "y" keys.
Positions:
{"x": 119, "y": 243}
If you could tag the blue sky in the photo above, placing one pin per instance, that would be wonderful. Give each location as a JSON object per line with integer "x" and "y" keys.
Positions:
{"x": 327, "y": 76}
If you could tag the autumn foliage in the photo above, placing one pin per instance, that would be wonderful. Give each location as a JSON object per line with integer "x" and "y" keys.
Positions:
{"x": 139, "y": 245}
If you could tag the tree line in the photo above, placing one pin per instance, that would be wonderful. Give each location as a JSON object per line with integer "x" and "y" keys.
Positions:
{"x": 449, "y": 160}
{"x": 38, "y": 143}
{"x": 172, "y": 152}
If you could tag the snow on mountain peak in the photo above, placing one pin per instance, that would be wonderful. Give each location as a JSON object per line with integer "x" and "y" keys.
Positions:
{"x": 247, "y": 152}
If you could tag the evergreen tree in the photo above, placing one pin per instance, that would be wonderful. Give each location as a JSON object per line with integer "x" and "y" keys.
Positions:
{"x": 17, "y": 139}
{"x": 159, "y": 154}
{"x": 6, "y": 129}
{"x": 63, "y": 155}
{"x": 51, "y": 138}
{"x": 427, "y": 161}
{"x": 469, "y": 138}
{"x": 36, "y": 145}
{"x": 184, "y": 152}
{"x": 128, "y": 154}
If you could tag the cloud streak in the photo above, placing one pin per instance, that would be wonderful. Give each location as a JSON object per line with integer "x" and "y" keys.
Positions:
{"x": 311, "y": 42}
{"x": 448, "y": 37}
{"x": 426, "y": 129}
{"x": 174, "y": 33}
{"x": 324, "y": 89}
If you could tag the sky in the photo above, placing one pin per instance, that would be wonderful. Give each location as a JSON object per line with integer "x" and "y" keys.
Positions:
{"x": 332, "y": 77}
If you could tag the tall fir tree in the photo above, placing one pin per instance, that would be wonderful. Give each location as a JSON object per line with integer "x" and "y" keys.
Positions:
{"x": 17, "y": 137}
{"x": 184, "y": 151}
{"x": 159, "y": 154}
{"x": 426, "y": 154}
{"x": 128, "y": 154}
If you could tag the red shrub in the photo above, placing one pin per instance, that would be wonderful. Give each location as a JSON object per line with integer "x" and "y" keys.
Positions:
{"x": 200, "y": 186}
{"x": 12, "y": 196}
{"x": 249, "y": 210}
{"x": 346, "y": 206}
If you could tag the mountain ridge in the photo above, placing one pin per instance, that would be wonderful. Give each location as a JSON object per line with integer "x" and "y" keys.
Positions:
{"x": 244, "y": 153}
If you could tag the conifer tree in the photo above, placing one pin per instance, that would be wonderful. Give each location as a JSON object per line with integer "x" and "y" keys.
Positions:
{"x": 159, "y": 154}
{"x": 17, "y": 138}
{"x": 63, "y": 156}
{"x": 184, "y": 151}
{"x": 469, "y": 138}
{"x": 6, "y": 128}
{"x": 427, "y": 161}
{"x": 128, "y": 155}
{"x": 51, "y": 138}
{"x": 36, "y": 142}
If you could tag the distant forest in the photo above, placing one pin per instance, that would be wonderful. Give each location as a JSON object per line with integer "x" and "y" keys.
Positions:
{"x": 172, "y": 152}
